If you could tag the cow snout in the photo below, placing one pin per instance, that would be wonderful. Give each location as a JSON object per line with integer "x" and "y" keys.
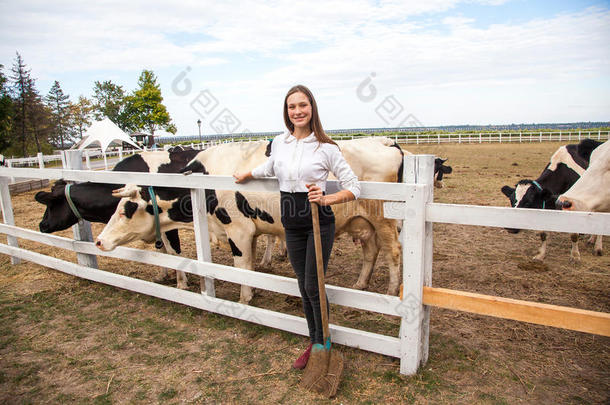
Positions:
{"x": 564, "y": 204}
{"x": 44, "y": 227}
{"x": 100, "y": 245}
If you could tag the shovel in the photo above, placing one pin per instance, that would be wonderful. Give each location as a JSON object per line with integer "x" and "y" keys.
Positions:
{"x": 324, "y": 366}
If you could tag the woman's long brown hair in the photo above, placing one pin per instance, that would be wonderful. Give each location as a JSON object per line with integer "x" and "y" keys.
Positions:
{"x": 314, "y": 124}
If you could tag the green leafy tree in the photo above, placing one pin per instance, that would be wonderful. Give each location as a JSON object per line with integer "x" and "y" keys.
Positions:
{"x": 59, "y": 106}
{"x": 146, "y": 109}
{"x": 6, "y": 107}
{"x": 109, "y": 100}
{"x": 81, "y": 114}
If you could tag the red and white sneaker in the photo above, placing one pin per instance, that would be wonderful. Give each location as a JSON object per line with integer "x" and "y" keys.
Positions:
{"x": 301, "y": 362}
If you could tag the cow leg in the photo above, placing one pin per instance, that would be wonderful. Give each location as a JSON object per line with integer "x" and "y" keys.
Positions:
{"x": 597, "y": 249}
{"x": 281, "y": 245}
{"x": 542, "y": 251}
{"x": 162, "y": 274}
{"x": 370, "y": 251}
{"x": 171, "y": 244}
{"x": 387, "y": 238}
{"x": 597, "y": 241}
{"x": 243, "y": 245}
{"x": 266, "y": 260}
{"x": 574, "y": 253}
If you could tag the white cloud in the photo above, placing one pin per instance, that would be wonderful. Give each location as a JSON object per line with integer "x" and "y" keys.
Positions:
{"x": 331, "y": 46}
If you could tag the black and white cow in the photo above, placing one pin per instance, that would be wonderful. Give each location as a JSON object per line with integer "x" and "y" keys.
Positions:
{"x": 95, "y": 203}
{"x": 439, "y": 170}
{"x": 239, "y": 218}
{"x": 245, "y": 216}
{"x": 567, "y": 164}
{"x": 592, "y": 191}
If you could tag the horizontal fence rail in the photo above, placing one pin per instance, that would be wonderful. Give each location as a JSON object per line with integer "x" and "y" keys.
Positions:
{"x": 371, "y": 190}
{"x": 595, "y": 223}
{"x": 533, "y": 312}
{"x": 386, "y": 345}
{"x": 381, "y": 303}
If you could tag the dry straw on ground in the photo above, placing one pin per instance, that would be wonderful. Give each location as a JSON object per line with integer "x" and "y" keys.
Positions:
{"x": 69, "y": 340}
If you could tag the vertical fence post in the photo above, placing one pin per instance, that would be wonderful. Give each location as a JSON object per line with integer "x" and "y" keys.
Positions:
{"x": 87, "y": 159}
{"x": 417, "y": 263}
{"x": 579, "y": 135}
{"x": 40, "y": 160}
{"x": 120, "y": 153}
{"x": 9, "y": 163}
{"x": 7, "y": 213}
{"x": 82, "y": 232}
{"x": 202, "y": 237}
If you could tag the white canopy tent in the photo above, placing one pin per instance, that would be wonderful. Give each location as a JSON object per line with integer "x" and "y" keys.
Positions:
{"x": 104, "y": 132}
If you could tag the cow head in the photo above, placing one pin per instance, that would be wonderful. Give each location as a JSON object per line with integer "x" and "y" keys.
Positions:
{"x": 129, "y": 222}
{"x": 58, "y": 215}
{"x": 134, "y": 216}
{"x": 528, "y": 194}
{"x": 439, "y": 170}
{"x": 591, "y": 193}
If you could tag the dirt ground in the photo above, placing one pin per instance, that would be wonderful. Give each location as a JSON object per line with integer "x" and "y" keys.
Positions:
{"x": 66, "y": 340}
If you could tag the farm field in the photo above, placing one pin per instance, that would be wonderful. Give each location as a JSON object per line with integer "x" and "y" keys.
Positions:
{"x": 66, "y": 340}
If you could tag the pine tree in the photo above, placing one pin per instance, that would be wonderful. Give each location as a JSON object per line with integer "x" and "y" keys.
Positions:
{"x": 59, "y": 105}
{"x": 146, "y": 108}
{"x": 22, "y": 90}
{"x": 6, "y": 107}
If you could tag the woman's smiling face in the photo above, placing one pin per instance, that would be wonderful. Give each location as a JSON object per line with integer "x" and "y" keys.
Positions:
{"x": 299, "y": 110}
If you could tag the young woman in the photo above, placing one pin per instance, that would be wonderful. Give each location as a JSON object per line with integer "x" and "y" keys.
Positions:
{"x": 301, "y": 160}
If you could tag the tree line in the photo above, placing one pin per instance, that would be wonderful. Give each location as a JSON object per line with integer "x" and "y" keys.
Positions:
{"x": 31, "y": 123}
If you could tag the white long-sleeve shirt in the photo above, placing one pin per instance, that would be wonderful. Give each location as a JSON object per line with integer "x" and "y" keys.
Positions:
{"x": 297, "y": 162}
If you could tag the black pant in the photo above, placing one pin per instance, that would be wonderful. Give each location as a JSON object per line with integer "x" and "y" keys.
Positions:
{"x": 301, "y": 252}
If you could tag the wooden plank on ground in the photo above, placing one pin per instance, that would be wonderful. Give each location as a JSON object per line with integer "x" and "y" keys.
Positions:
{"x": 533, "y": 312}
{"x": 28, "y": 185}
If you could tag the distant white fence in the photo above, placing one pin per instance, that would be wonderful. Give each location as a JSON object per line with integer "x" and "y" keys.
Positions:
{"x": 494, "y": 137}
{"x": 42, "y": 161}
{"x": 435, "y": 138}
{"x": 410, "y": 201}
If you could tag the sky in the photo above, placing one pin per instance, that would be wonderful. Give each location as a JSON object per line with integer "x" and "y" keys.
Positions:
{"x": 369, "y": 64}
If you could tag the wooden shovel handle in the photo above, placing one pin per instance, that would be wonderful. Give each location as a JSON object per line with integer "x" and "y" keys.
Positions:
{"x": 320, "y": 269}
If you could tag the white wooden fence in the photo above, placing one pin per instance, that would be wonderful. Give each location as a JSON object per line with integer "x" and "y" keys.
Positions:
{"x": 405, "y": 136}
{"x": 494, "y": 137}
{"x": 41, "y": 160}
{"x": 411, "y": 201}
